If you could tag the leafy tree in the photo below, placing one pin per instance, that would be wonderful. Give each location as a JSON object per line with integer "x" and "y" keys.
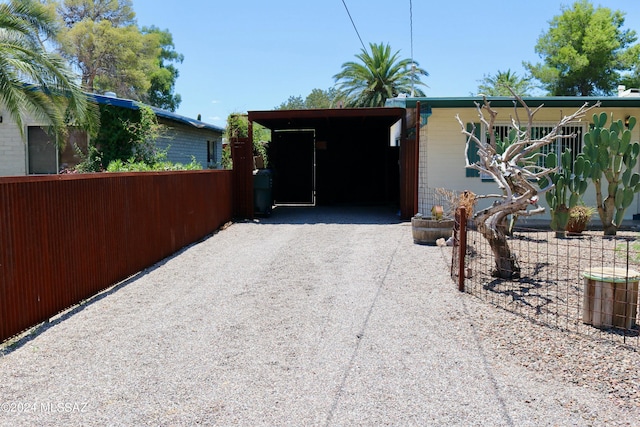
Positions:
{"x": 293, "y": 103}
{"x": 118, "y": 59}
{"x": 499, "y": 84}
{"x": 33, "y": 80}
{"x": 163, "y": 80}
{"x": 119, "y": 12}
{"x": 125, "y": 135}
{"x": 319, "y": 98}
{"x": 584, "y": 51}
{"x": 378, "y": 75}
{"x": 103, "y": 42}
{"x": 631, "y": 78}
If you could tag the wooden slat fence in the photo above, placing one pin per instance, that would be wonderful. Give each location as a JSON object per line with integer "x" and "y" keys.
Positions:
{"x": 64, "y": 238}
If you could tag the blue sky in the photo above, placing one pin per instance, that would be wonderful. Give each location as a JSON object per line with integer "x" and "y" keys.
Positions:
{"x": 253, "y": 55}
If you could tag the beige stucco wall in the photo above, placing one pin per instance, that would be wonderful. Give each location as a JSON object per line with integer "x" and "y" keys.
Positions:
{"x": 442, "y": 153}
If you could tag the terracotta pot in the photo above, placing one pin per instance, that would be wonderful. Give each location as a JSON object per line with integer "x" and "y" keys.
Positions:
{"x": 576, "y": 226}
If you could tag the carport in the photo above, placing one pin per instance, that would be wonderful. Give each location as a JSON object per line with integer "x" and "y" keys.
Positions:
{"x": 341, "y": 156}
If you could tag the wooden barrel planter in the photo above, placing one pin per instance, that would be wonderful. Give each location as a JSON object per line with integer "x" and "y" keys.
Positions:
{"x": 426, "y": 230}
{"x": 610, "y": 297}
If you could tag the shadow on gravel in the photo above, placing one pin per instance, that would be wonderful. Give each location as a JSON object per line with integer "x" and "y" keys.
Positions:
{"x": 332, "y": 215}
{"x": 20, "y": 340}
{"x": 15, "y": 343}
{"x": 281, "y": 215}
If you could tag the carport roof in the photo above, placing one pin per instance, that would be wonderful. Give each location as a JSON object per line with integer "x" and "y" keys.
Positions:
{"x": 310, "y": 119}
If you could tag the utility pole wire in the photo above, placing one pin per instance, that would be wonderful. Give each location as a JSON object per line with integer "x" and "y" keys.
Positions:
{"x": 354, "y": 25}
{"x": 411, "y": 26}
{"x": 413, "y": 65}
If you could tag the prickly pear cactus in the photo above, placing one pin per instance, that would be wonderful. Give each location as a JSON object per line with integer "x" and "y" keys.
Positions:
{"x": 613, "y": 158}
{"x": 569, "y": 184}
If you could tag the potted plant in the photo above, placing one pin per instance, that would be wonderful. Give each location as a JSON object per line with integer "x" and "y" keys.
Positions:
{"x": 579, "y": 217}
{"x": 428, "y": 229}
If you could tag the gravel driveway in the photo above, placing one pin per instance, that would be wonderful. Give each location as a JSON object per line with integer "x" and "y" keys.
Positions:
{"x": 311, "y": 317}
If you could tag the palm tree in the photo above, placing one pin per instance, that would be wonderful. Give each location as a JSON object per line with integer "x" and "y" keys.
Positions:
{"x": 499, "y": 84}
{"x": 378, "y": 76}
{"x": 33, "y": 80}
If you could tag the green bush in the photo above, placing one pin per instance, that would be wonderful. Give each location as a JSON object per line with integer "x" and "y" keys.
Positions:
{"x": 126, "y": 135}
{"x": 158, "y": 163}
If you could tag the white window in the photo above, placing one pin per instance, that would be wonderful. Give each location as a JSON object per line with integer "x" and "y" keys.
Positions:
{"x": 538, "y": 131}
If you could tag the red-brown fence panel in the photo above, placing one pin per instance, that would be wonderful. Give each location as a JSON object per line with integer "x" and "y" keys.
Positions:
{"x": 64, "y": 238}
{"x": 242, "y": 153}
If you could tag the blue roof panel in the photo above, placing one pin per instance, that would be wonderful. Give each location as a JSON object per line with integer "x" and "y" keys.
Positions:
{"x": 134, "y": 105}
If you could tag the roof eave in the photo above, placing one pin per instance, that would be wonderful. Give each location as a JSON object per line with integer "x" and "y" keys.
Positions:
{"x": 135, "y": 105}
{"x": 503, "y": 101}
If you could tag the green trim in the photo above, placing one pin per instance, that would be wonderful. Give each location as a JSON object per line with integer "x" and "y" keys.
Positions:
{"x": 633, "y": 276}
{"x": 425, "y": 113}
{"x": 501, "y": 101}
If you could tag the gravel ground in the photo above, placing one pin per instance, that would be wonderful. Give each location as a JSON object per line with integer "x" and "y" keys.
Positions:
{"x": 310, "y": 317}
{"x": 551, "y": 294}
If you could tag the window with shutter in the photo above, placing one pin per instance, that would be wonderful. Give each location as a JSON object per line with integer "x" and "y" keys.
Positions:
{"x": 537, "y": 131}
{"x": 472, "y": 151}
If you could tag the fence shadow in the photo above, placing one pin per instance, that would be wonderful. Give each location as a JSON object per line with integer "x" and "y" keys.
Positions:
{"x": 340, "y": 214}
{"x": 564, "y": 282}
{"x": 19, "y": 341}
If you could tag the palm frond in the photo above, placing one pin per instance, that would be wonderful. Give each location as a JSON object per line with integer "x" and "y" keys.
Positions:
{"x": 33, "y": 80}
{"x": 377, "y": 76}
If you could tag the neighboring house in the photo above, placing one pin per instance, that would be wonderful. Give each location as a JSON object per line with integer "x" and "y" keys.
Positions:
{"x": 185, "y": 137}
{"x": 442, "y": 144}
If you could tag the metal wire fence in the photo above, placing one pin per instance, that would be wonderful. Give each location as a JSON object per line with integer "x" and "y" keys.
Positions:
{"x": 585, "y": 283}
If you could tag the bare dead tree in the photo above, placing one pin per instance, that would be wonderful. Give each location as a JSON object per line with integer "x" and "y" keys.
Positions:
{"x": 513, "y": 164}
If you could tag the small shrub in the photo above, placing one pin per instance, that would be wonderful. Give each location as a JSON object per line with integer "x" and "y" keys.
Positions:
{"x": 158, "y": 163}
{"x": 454, "y": 200}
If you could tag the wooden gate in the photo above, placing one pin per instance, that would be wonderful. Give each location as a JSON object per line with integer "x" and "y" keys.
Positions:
{"x": 409, "y": 163}
{"x": 242, "y": 155}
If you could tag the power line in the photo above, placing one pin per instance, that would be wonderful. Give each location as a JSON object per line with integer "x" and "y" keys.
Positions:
{"x": 375, "y": 71}
{"x": 413, "y": 65}
{"x": 354, "y": 25}
{"x": 411, "y": 26}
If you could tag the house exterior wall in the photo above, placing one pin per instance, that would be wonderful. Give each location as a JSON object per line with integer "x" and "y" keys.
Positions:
{"x": 442, "y": 153}
{"x": 12, "y": 148}
{"x": 184, "y": 141}
{"x": 12, "y": 152}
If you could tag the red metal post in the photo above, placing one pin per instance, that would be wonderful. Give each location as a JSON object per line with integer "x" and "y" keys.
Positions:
{"x": 242, "y": 155}
{"x": 462, "y": 248}
{"x": 417, "y": 160}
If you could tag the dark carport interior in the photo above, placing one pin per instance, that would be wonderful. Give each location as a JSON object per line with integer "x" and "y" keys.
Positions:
{"x": 333, "y": 156}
